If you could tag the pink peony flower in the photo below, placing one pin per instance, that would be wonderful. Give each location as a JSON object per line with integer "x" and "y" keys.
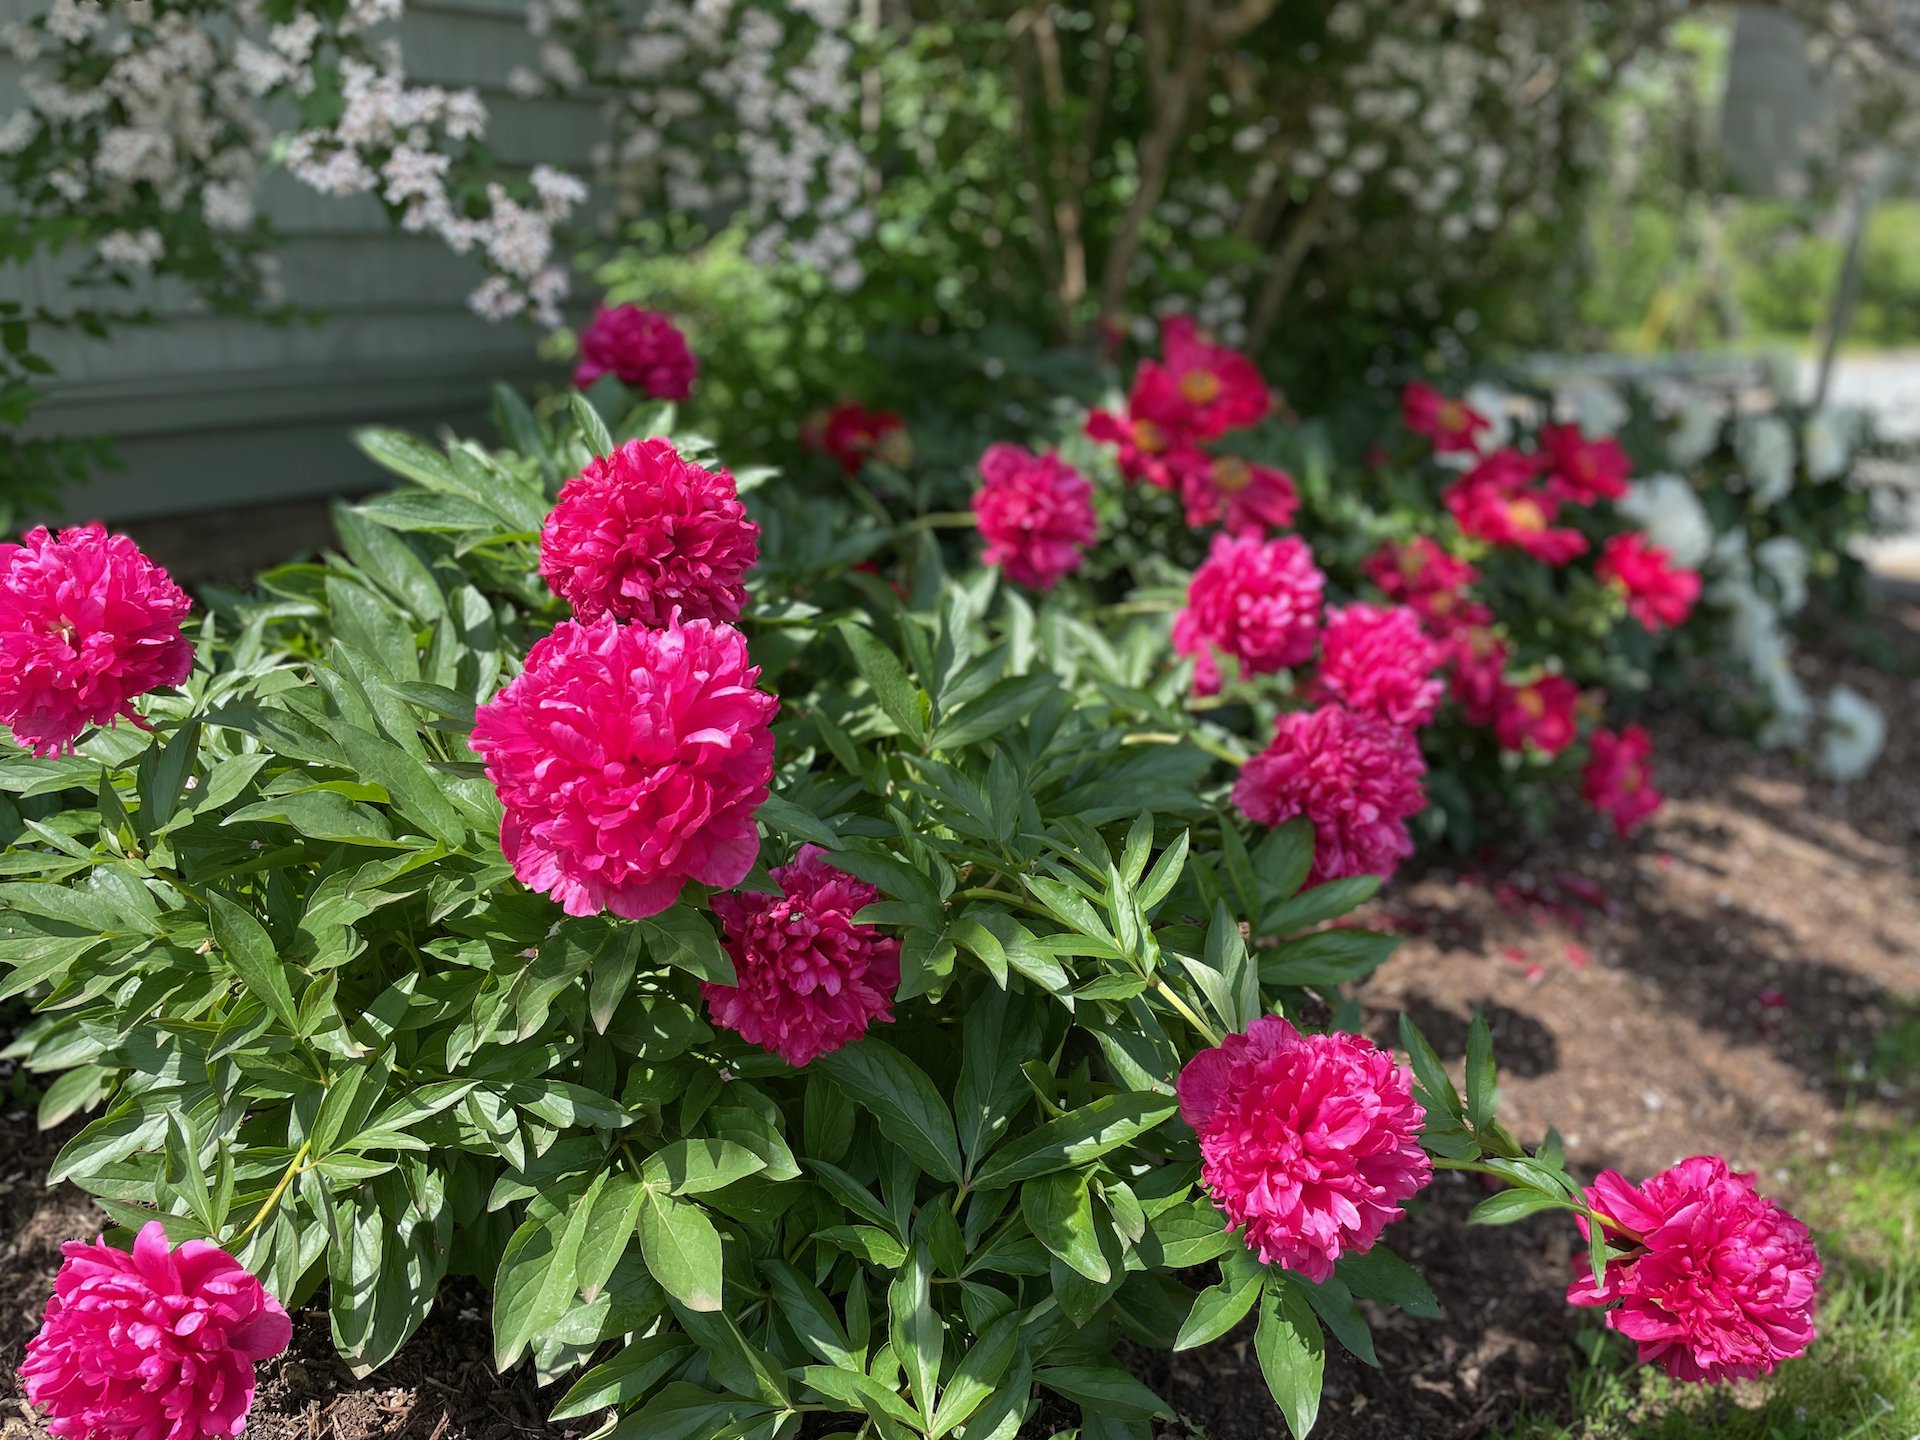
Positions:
{"x": 1379, "y": 662}
{"x": 850, "y": 433}
{"x": 1658, "y": 592}
{"x": 1256, "y": 602}
{"x": 88, "y": 624}
{"x": 1718, "y": 1282}
{"x": 1243, "y": 497}
{"x": 642, "y": 348}
{"x": 810, "y": 979}
{"x": 1447, "y": 612}
{"x": 1357, "y": 778}
{"x": 1618, "y": 780}
{"x": 1584, "y": 471}
{"x": 630, "y": 761}
{"x": 1452, "y": 425}
{"x": 1145, "y": 450}
{"x": 1479, "y": 660}
{"x": 1307, "y": 1142}
{"x": 1220, "y": 389}
{"x": 1543, "y": 713}
{"x": 1498, "y": 502}
{"x": 643, "y": 533}
{"x": 1036, "y": 514}
{"x": 1423, "y": 575}
{"x": 1196, "y": 392}
{"x": 153, "y": 1345}
{"x": 1418, "y": 569}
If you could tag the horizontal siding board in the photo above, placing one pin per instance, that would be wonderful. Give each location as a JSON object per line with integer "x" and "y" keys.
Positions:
{"x": 505, "y": 12}
{"x": 171, "y": 474}
{"x": 217, "y": 346}
{"x": 530, "y": 132}
{"x": 266, "y": 399}
{"x": 375, "y": 272}
{"x": 445, "y": 49}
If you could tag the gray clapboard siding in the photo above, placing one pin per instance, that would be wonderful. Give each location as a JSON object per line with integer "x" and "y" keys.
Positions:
{"x": 213, "y": 411}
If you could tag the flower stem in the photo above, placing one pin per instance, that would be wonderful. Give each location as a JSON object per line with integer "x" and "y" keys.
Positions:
{"x": 1173, "y": 998}
{"x": 1003, "y": 896}
{"x": 294, "y": 1167}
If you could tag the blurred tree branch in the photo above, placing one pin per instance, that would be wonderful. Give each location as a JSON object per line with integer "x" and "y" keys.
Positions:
{"x": 1205, "y": 34}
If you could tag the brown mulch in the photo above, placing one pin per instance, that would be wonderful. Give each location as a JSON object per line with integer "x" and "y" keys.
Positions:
{"x": 1714, "y": 985}
{"x": 441, "y": 1386}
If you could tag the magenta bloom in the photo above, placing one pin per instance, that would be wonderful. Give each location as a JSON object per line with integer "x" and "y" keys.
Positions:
{"x": 1584, "y": 471}
{"x": 643, "y": 348}
{"x": 630, "y": 761}
{"x": 1658, "y": 592}
{"x": 1499, "y": 501}
{"x": 1479, "y": 659}
{"x": 1308, "y": 1142}
{"x": 1036, "y": 514}
{"x": 850, "y": 432}
{"x": 1358, "y": 779}
{"x": 1419, "y": 566}
{"x": 1241, "y": 496}
{"x": 1618, "y": 779}
{"x": 156, "y": 1345}
{"x": 1380, "y": 662}
{"x": 642, "y": 533}
{"x": 88, "y": 624}
{"x": 1452, "y": 425}
{"x": 1146, "y": 448}
{"x": 1255, "y": 601}
{"x": 810, "y": 979}
{"x": 1219, "y": 389}
{"x": 1718, "y": 1282}
{"x": 1543, "y": 712}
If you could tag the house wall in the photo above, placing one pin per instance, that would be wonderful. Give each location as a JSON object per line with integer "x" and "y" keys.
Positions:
{"x": 216, "y": 412}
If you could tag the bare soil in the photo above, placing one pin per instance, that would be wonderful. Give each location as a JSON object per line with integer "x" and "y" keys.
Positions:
{"x": 1714, "y": 985}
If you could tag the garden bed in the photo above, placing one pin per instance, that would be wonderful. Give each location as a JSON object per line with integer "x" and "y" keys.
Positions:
{"x": 1715, "y": 987}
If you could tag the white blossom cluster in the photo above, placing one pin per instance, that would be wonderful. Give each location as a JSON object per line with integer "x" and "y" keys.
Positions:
{"x": 1198, "y": 210}
{"x": 1443, "y": 121}
{"x": 1440, "y": 110}
{"x": 168, "y": 127}
{"x": 179, "y": 125}
{"x": 738, "y": 109}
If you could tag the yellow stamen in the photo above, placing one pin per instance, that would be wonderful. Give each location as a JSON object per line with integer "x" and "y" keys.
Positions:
{"x": 1526, "y": 515}
{"x": 1199, "y": 387}
{"x": 1232, "y": 474}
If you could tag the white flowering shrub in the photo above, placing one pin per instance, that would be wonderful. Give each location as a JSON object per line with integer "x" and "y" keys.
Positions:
{"x": 146, "y": 128}
{"x": 749, "y": 111}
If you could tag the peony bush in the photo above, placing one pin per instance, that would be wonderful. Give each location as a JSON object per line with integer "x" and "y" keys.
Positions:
{"x": 811, "y": 977}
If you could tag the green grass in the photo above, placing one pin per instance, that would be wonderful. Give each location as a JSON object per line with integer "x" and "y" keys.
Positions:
{"x": 1861, "y": 1379}
{"x": 1768, "y": 282}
